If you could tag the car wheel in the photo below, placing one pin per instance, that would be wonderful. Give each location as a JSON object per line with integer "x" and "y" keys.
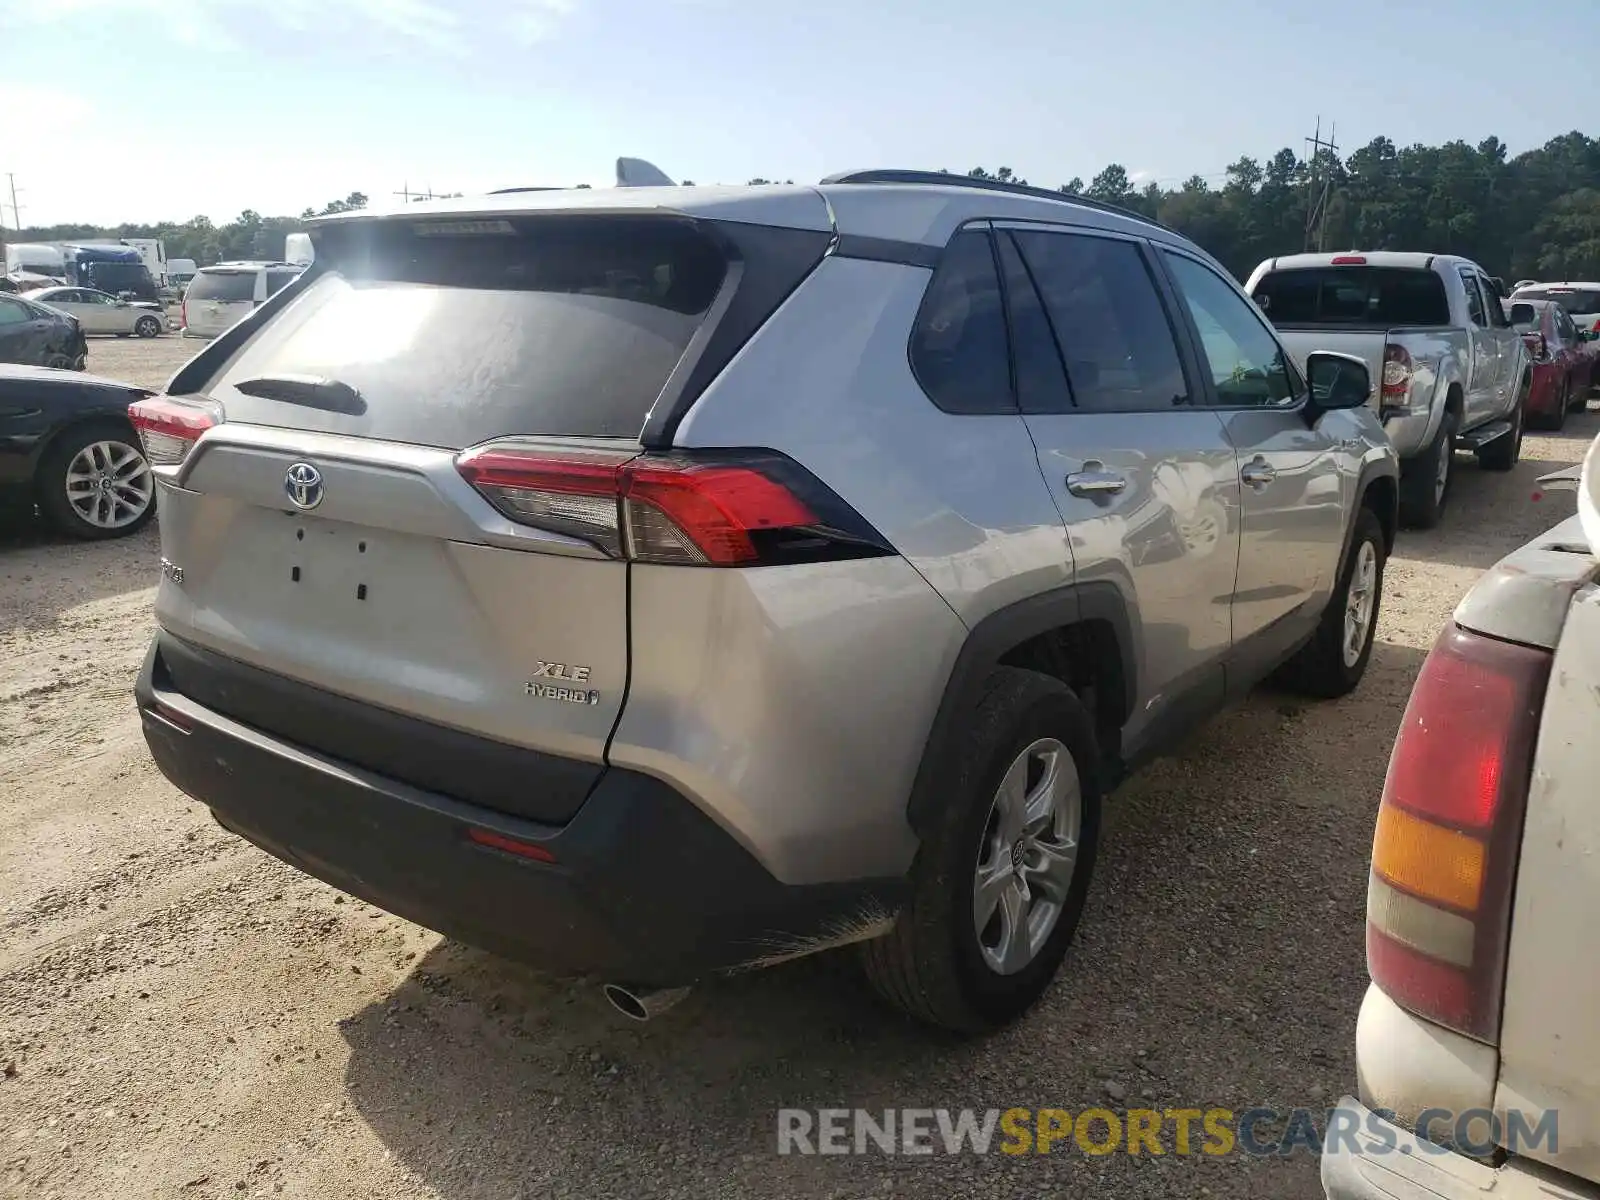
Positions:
{"x": 58, "y": 362}
{"x": 147, "y": 327}
{"x": 1555, "y": 419}
{"x": 1506, "y": 450}
{"x": 94, "y": 482}
{"x": 1332, "y": 663}
{"x": 1425, "y": 479}
{"x": 999, "y": 883}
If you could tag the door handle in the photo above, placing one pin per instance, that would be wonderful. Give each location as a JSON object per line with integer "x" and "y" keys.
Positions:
{"x": 1095, "y": 480}
{"x": 1258, "y": 473}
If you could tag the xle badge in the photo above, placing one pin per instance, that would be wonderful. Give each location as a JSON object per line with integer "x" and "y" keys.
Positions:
{"x": 563, "y": 674}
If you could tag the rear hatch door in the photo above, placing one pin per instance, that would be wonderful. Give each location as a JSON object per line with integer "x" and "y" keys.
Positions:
{"x": 218, "y": 299}
{"x": 325, "y": 535}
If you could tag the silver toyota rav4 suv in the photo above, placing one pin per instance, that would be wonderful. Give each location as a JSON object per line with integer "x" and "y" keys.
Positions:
{"x": 655, "y": 583}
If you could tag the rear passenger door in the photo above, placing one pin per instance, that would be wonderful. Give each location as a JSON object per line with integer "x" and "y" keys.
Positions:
{"x": 1145, "y": 478}
{"x": 1294, "y": 478}
{"x": 1483, "y": 386}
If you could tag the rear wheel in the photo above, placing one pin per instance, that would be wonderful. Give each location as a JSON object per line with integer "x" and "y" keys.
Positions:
{"x": 1425, "y": 481}
{"x": 999, "y": 883}
{"x": 1554, "y": 420}
{"x": 94, "y": 483}
{"x": 1332, "y": 663}
{"x": 1506, "y": 450}
{"x": 59, "y": 362}
{"x": 147, "y": 327}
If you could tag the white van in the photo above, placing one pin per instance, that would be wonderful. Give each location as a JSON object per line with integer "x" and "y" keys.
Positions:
{"x": 221, "y": 296}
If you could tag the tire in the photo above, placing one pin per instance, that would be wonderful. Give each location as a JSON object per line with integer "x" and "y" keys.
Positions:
{"x": 936, "y": 964}
{"x": 84, "y": 519}
{"x": 1324, "y": 667}
{"x": 1505, "y": 451}
{"x": 1553, "y": 421}
{"x": 147, "y": 327}
{"x": 1422, "y": 495}
{"x": 59, "y": 362}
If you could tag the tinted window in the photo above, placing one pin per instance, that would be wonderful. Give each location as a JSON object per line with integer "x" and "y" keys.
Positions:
{"x": 958, "y": 346}
{"x": 554, "y": 326}
{"x": 1491, "y": 301}
{"x": 1474, "y": 298}
{"x": 1041, "y": 380}
{"x": 278, "y": 280}
{"x": 225, "y": 287}
{"x": 12, "y": 313}
{"x": 1380, "y": 296}
{"x": 1574, "y": 301}
{"x": 1108, "y": 320}
{"x": 1247, "y": 365}
{"x": 1565, "y": 329}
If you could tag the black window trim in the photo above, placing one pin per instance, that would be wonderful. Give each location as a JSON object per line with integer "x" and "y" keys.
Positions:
{"x": 1188, "y": 363}
{"x": 1213, "y": 399}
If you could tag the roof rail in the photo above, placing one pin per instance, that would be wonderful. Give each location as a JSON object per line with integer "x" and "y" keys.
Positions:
{"x": 508, "y": 191}
{"x": 945, "y": 179}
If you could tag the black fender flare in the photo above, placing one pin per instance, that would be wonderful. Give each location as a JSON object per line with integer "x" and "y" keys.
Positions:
{"x": 986, "y": 644}
{"x": 1375, "y": 469}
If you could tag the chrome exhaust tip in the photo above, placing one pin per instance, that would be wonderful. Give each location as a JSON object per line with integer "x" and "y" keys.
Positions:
{"x": 640, "y": 1004}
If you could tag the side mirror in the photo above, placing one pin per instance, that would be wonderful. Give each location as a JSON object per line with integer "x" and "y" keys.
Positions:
{"x": 1337, "y": 381}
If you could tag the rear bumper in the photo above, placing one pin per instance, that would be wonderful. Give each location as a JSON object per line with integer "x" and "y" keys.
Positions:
{"x": 1382, "y": 1161}
{"x": 645, "y": 888}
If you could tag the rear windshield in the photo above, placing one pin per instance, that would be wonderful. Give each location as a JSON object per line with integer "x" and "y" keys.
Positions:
{"x": 227, "y": 287}
{"x": 1356, "y": 296}
{"x": 560, "y": 325}
{"x": 1574, "y": 301}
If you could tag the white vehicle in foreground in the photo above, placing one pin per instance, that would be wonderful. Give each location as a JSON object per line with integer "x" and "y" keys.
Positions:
{"x": 1481, "y": 1028}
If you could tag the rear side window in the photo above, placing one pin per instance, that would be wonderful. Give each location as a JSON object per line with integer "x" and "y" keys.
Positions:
{"x": 958, "y": 345}
{"x": 1355, "y": 296}
{"x": 224, "y": 287}
{"x": 1474, "y": 299}
{"x": 278, "y": 280}
{"x": 13, "y": 313}
{"x": 1108, "y": 319}
{"x": 458, "y": 332}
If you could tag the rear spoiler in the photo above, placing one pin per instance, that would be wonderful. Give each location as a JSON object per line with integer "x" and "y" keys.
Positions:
{"x": 631, "y": 172}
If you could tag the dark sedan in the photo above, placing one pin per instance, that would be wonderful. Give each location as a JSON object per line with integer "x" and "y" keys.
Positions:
{"x": 37, "y": 336}
{"x": 66, "y": 444}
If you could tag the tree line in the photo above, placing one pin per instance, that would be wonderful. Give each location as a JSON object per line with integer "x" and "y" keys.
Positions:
{"x": 1535, "y": 215}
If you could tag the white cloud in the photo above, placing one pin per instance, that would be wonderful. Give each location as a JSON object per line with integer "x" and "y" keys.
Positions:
{"x": 440, "y": 24}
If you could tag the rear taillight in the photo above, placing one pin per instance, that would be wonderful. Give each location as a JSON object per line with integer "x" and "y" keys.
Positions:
{"x": 169, "y": 428}
{"x": 1396, "y": 372}
{"x": 1449, "y": 831}
{"x": 1537, "y": 346}
{"x": 721, "y": 509}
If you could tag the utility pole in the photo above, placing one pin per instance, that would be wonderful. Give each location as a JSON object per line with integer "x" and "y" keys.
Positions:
{"x": 16, "y": 212}
{"x": 404, "y": 193}
{"x": 1317, "y": 198}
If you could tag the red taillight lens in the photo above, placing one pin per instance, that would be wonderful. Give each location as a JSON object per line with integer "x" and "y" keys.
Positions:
{"x": 1449, "y": 829}
{"x": 728, "y": 509}
{"x": 169, "y": 428}
{"x": 1396, "y": 372}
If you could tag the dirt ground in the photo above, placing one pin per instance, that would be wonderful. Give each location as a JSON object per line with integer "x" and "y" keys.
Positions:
{"x": 183, "y": 1016}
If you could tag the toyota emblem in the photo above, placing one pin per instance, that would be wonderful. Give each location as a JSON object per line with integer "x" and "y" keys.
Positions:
{"x": 303, "y": 484}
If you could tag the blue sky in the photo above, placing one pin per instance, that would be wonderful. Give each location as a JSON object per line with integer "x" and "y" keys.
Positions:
{"x": 152, "y": 109}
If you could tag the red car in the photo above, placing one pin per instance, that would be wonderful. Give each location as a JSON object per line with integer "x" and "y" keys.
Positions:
{"x": 1563, "y": 360}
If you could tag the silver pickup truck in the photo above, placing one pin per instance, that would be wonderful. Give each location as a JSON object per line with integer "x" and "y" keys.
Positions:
{"x": 1449, "y": 372}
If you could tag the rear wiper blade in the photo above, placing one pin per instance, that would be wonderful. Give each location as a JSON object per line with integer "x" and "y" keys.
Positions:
{"x": 313, "y": 391}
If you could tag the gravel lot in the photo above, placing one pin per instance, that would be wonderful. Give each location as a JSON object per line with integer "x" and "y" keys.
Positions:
{"x": 182, "y": 1016}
